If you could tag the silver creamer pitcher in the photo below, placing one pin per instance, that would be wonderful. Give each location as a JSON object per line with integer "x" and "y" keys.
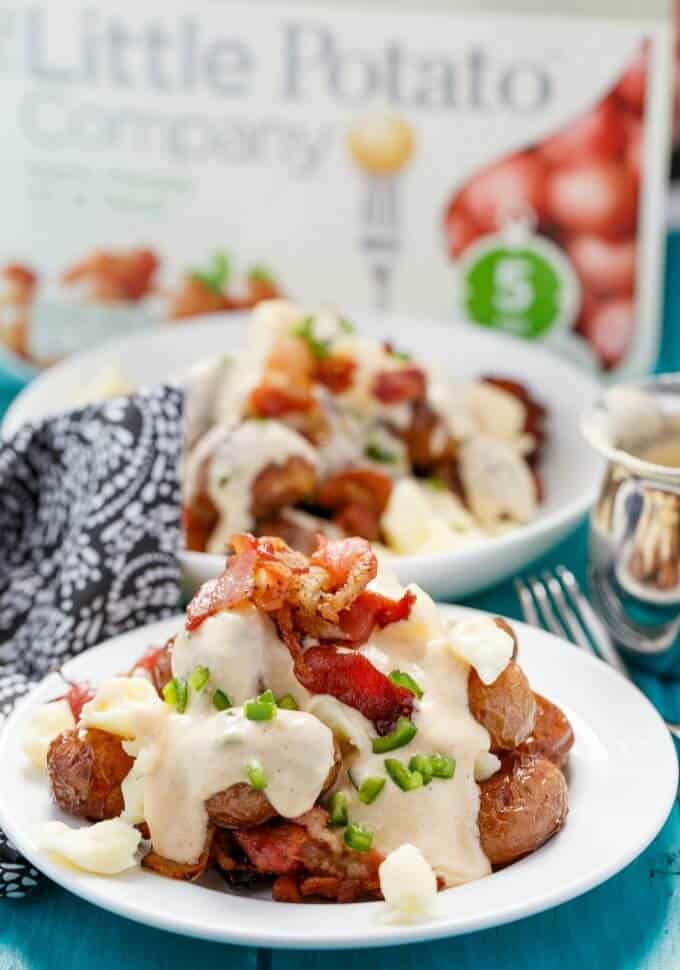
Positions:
{"x": 635, "y": 523}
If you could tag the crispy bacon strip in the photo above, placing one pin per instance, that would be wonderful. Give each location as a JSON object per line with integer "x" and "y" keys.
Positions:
{"x": 269, "y": 401}
{"x": 309, "y": 859}
{"x": 157, "y": 662}
{"x": 323, "y": 597}
{"x": 78, "y": 695}
{"x": 234, "y": 587}
{"x": 400, "y": 386}
{"x": 354, "y": 681}
{"x": 373, "y": 609}
{"x": 336, "y": 372}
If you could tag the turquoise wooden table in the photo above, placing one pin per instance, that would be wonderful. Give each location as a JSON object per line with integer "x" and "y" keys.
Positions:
{"x": 630, "y": 923}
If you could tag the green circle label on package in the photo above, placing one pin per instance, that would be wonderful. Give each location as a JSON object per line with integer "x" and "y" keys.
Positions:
{"x": 527, "y": 288}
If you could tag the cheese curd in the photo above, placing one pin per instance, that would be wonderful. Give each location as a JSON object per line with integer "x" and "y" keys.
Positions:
{"x": 123, "y": 706}
{"x": 419, "y": 518}
{"x": 47, "y": 722}
{"x": 408, "y": 883}
{"x": 107, "y": 848}
{"x": 481, "y": 643}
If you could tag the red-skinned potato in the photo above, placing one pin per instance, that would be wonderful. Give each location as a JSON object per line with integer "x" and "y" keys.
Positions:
{"x": 609, "y": 330}
{"x": 505, "y": 190}
{"x": 599, "y": 134}
{"x": 86, "y": 770}
{"x": 605, "y": 266}
{"x": 598, "y": 197}
{"x": 460, "y": 232}
{"x": 552, "y": 736}
{"x": 631, "y": 88}
{"x": 520, "y": 807}
{"x": 634, "y": 146}
{"x": 506, "y": 708}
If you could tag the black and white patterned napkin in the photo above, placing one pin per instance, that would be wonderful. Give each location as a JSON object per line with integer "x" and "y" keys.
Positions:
{"x": 89, "y": 541}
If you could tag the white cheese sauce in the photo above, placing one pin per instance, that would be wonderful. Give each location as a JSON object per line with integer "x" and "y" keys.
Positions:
{"x": 202, "y": 755}
{"x": 440, "y": 819}
{"x": 243, "y": 653}
{"x": 226, "y": 462}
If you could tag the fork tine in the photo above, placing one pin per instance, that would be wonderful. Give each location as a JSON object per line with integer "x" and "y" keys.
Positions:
{"x": 526, "y": 603}
{"x": 565, "y": 612}
{"x": 591, "y": 621}
{"x": 545, "y": 606}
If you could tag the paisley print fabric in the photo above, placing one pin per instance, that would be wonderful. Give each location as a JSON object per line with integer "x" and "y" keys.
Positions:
{"x": 89, "y": 537}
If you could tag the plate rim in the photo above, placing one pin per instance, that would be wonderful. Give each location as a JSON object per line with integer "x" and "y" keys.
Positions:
{"x": 383, "y": 935}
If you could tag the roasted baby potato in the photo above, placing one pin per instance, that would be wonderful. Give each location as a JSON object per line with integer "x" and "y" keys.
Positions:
{"x": 521, "y": 807}
{"x": 86, "y": 769}
{"x": 552, "y": 736}
{"x": 277, "y": 486}
{"x": 506, "y": 708}
{"x": 239, "y": 805}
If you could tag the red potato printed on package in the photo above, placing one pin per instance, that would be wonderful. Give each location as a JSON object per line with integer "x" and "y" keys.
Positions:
{"x": 502, "y": 166}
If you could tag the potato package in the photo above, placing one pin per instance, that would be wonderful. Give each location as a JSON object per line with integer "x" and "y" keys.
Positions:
{"x": 500, "y": 163}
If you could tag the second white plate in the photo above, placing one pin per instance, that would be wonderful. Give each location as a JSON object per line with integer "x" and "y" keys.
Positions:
{"x": 570, "y": 469}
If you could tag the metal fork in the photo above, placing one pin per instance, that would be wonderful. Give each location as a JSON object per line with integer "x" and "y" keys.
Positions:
{"x": 557, "y": 602}
{"x": 380, "y": 239}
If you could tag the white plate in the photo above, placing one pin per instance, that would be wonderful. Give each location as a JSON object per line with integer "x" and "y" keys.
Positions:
{"x": 570, "y": 469}
{"x": 622, "y": 782}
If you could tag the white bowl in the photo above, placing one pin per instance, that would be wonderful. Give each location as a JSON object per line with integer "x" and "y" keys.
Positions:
{"x": 570, "y": 469}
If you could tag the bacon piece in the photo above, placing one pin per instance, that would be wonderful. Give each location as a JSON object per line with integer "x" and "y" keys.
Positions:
{"x": 336, "y": 372}
{"x": 354, "y": 681}
{"x": 323, "y": 597}
{"x": 158, "y": 664}
{"x": 269, "y": 401}
{"x": 400, "y": 386}
{"x": 373, "y": 609}
{"x": 234, "y": 587}
{"x": 343, "y": 559}
{"x": 285, "y": 890}
{"x": 273, "y": 849}
{"x": 78, "y": 695}
{"x": 310, "y": 859}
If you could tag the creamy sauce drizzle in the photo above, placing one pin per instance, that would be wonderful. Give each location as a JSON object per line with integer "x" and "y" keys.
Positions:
{"x": 440, "y": 818}
{"x": 202, "y": 755}
{"x": 230, "y": 459}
